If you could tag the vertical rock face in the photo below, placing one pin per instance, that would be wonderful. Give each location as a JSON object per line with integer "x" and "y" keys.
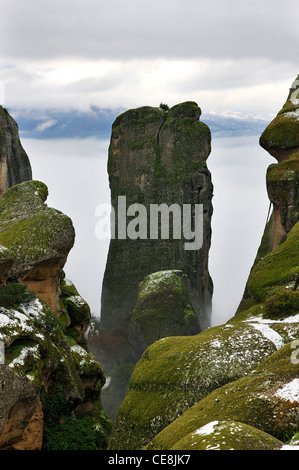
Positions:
{"x": 156, "y": 156}
{"x": 281, "y": 140}
{"x": 14, "y": 163}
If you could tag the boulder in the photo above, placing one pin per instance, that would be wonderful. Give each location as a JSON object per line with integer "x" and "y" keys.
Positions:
{"x": 14, "y": 163}
{"x": 162, "y": 309}
{"x": 40, "y": 238}
{"x": 267, "y": 399}
{"x": 227, "y": 435}
{"x": 281, "y": 137}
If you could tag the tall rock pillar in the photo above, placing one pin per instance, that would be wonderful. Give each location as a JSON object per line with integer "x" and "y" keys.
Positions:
{"x": 14, "y": 163}
{"x": 156, "y": 156}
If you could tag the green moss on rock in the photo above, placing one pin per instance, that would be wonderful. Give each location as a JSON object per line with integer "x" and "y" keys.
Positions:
{"x": 281, "y": 137}
{"x": 162, "y": 309}
{"x": 278, "y": 268}
{"x": 228, "y": 435}
{"x": 155, "y": 155}
{"x": 176, "y": 372}
{"x": 263, "y": 400}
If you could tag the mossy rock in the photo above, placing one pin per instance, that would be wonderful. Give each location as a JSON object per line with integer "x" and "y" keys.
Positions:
{"x": 281, "y": 137}
{"x": 67, "y": 288}
{"x": 277, "y": 269}
{"x": 155, "y": 155}
{"x": 86, "y": 363}
{"x": 78, "y": 310}
{"x": 33, "y": 231}
{"x": 267, "y": 399}
{"x": 228, "y": 435}
{"x": 75, "y": 310}
{"x": 176, "y": 372}
{"x": 37, "y": 349}
{"x": 7, "y": 259}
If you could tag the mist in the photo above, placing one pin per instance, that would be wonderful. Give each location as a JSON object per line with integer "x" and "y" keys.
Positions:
{"x": 75, "y": 171}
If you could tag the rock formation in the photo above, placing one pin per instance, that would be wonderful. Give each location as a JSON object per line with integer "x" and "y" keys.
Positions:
{"x": 162, "y": 309}
{"x": 156, "y": 156}
{"x": 14, "y": 163}
{"x": 39, "y": 236}
{"x": 50, "y": 384}
{"x": 281, "y": 137}
{"x": 282, "y": 182}
{"x": 195, "y": 392}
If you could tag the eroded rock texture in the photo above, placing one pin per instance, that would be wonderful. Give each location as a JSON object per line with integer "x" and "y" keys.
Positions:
{"x": 155, "y": 156}
{"x": 21, "y": 416}
{"x": 208, "y": 390}
{"x": 50, "y": 384}
{"x": 281, "y": 140}
{"x": 14, "y": 163}
{"x": 40, "y": 237}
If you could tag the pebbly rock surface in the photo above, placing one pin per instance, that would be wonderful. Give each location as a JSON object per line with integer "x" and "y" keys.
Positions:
{"x": 156, "y": 156}
{"x": 14, "y": 163}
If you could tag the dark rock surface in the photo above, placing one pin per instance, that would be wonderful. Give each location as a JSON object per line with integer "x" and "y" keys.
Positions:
{"x": 155, "y": 156}
{"x": 14, "y": 163}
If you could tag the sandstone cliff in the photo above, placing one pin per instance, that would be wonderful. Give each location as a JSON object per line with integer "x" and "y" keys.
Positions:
{"x": 234, "y": 386}
{"x": 50, "y": 384}
{"x": 155, "y": 156}
{"x": 14, "y": 163}
{"x": 280, "y": 138}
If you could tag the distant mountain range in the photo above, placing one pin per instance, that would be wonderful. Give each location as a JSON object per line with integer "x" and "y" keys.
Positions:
{"x": 97, "y": 122}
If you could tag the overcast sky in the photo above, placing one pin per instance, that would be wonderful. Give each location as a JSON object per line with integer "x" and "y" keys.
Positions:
{"x": 224, "y": 54}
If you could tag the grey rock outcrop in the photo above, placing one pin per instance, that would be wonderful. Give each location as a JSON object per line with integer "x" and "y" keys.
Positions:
{"x": 14, "y": 163}
{"x": 245, "y": 371}
{"x": 156, "y": 156}
{"x": 39, "y": 236}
